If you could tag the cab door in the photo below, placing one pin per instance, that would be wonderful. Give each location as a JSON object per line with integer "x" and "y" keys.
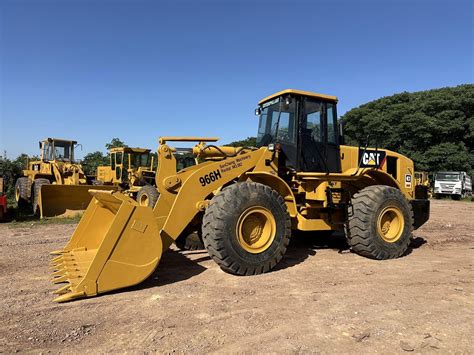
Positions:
{"x": 118, "y": 167}
{"x": 318, "y": 143}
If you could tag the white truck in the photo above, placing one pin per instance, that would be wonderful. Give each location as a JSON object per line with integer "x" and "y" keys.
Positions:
{"x": 456, "y": 184}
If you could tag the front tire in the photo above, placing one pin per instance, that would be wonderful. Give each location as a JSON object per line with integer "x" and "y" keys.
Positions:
{"x": 381, "y": 224}
{"x": 246, "y": 228}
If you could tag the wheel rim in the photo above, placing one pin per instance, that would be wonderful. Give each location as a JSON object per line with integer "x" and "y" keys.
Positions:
{"x": 17, "y": 193}
{"x": 390, "y": 224}
{"x": 256, "y": 229}
{"x": 144, "y": 200}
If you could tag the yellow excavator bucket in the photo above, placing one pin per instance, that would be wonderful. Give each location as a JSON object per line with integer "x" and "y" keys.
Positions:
{"x": 116, "y": 244}
{"x": 63, "y": 200}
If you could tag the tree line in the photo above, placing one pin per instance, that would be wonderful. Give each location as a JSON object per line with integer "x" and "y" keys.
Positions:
{"x": 435, "y": 128}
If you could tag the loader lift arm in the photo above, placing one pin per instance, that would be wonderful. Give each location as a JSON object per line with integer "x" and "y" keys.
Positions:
{"x": 131, "y": 239}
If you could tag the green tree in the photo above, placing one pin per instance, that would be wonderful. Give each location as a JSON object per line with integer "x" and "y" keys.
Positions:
{"x": 248, "y": 142}
{"x": 115, "y": 143}
{"x": 91, "y": 161}
{"x": 435, "y": 128}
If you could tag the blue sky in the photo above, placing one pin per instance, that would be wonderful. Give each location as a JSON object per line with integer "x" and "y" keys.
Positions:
{"x": 94, "y": 70}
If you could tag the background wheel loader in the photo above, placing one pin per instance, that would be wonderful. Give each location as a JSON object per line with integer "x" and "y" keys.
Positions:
{"x": 247, "y": 200}
{"x": 132, "y": 170}
{"x": 55, "y": 184}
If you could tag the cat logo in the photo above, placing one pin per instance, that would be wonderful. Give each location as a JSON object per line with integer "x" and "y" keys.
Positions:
{"x": 371, "y": 158}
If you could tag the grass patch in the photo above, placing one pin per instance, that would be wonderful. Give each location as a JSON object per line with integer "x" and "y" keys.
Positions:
{"x": 19, "y": 218}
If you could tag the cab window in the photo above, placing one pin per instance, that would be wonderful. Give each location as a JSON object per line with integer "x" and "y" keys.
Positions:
{"x": 332, "y": 123}
{"x": 277, "y": 122}
{"x": 118, "y": 158}
{"x": 312, "y": 124}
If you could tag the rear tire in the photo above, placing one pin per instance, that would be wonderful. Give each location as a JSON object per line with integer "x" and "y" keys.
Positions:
{"x": 22, "y": 192}
{"x": 190, "y": 241}
{"x": 246, "y": 228}
{"x": 381, "y": 224}
{"x": 36, "y": 191}
{"x": 147, "y": 196}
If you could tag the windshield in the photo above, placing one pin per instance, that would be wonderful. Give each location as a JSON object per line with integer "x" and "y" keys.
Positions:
{"x": 140, "y": 160}
{"x": 62, "y": 151}
{"x": 447, "y": 176}
{"x": 277, "y": 123}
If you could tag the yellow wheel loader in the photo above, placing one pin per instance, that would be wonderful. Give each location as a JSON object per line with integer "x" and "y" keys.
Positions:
{"x": 131, "y": 169}
{"x": 55, "y": 184}
{"x": 247, "y": 200}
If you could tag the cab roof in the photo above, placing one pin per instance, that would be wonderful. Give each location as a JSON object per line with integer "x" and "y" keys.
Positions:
{"x": 299, "y": 92}
{"x": 49, "y": 139}
{"x": 129, "y": 150}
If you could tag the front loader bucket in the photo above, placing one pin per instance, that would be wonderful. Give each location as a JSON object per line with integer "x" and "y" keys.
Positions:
{"x": 62, "y": 200}
{"x": 116, "y": 244}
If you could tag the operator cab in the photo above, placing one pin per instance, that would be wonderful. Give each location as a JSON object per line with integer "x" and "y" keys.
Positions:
{"x": 57, "y": 149}
{"x": 304, "y": 126}
{"x": 123, "y": 159}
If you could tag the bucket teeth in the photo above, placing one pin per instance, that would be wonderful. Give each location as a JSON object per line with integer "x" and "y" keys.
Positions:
{"x": 62, "y": 290}
{"x": 57, "y": 267}
{"x": 57, "y": 252}
{"x": 59, "y": 272}
{"x": 69, "y": 296}
{"x": 58, "y": 258}
{"x": 60, "y": 279}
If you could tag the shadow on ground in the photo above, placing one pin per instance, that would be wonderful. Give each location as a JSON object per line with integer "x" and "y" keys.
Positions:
{"x": 177, "y": 266}
{"x": 415, "y": 243}
{"x": 306, "y": 244}
{"x": 173, "y": 267}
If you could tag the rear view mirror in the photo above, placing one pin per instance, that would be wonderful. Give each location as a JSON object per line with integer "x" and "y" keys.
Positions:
{"x": 258, "y": 111}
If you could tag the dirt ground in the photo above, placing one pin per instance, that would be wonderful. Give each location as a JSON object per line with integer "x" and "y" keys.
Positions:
{"x": 321, "y": 298}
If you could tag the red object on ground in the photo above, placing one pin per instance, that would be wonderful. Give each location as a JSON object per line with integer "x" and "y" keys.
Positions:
{"x": 3, "y": 207}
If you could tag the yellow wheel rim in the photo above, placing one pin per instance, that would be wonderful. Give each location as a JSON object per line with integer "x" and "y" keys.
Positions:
{"x": 390, "y": 224}
{"x": 17, "y": 193}
{"x": 256, "y": 229}
{"x": 144, "y": 200}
